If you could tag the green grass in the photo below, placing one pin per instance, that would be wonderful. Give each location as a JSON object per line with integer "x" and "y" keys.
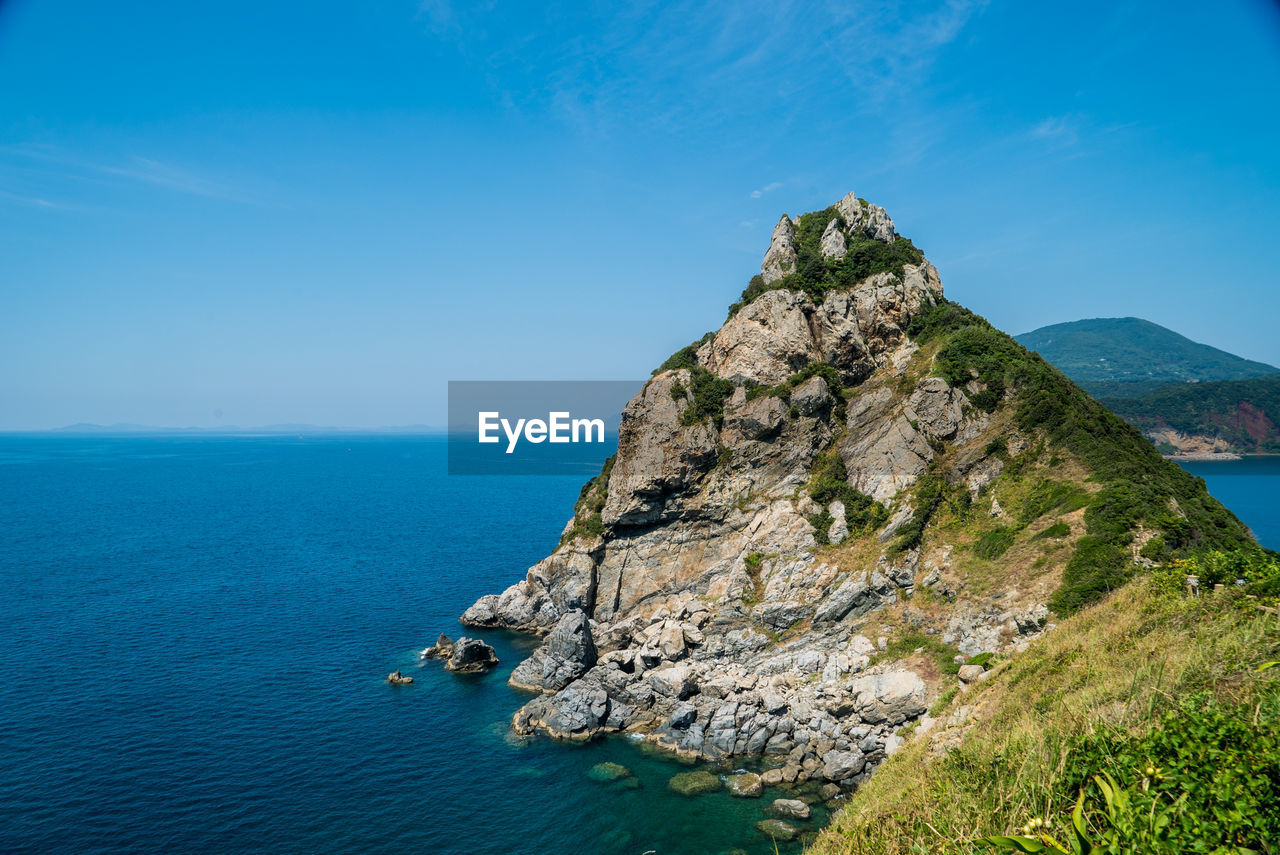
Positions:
{"x": 1146, "y": 679}
{"x": 906, "y": 644}
{"x": 1138, "y": 487}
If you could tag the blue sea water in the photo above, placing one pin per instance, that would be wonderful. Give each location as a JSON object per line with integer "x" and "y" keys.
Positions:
{"x": 1249, "y": 487}
{"x": 196, "y": 633}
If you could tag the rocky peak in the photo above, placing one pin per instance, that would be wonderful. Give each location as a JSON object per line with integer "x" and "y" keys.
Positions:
{"x": 781, "y": 257}
{"x": 772, "y": 505}
{"x": 861, "y": 217}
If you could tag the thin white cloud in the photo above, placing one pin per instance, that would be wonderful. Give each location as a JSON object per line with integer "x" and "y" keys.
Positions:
{"x": 32, "y": 165}
{"x": 768, "y": 188}
{"x": 609, "y": 70}
{"x": 1060, "y": 130}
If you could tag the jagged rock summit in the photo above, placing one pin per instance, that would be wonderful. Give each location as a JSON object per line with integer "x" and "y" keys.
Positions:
{"x": 817, "y": 509}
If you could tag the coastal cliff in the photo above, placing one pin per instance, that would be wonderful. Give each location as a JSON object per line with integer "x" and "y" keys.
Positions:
{"x": 820, "y": 513}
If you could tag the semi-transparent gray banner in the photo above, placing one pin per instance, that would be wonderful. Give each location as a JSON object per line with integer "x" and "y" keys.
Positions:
{"x": 535, "y": 427}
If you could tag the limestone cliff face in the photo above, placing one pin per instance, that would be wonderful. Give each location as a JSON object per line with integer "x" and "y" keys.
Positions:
{"x": 715, "y": 614}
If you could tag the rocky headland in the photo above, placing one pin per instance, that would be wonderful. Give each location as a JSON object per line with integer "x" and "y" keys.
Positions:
{"x": 821, "y": 512}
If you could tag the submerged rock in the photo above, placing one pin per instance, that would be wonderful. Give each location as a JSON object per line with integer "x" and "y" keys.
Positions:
{"x": 778, "y": 829}
{"x": 694, "y": 783}
{"x": 745, "y": 785}
{"x": 607, "y": 772}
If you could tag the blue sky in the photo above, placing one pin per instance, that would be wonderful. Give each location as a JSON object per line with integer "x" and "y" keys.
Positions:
{"x": 249, "y": 213}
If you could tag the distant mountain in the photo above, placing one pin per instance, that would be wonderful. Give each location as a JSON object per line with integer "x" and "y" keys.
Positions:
{"x": 1239, "y": 416}
{"x": 1126, "y": 357}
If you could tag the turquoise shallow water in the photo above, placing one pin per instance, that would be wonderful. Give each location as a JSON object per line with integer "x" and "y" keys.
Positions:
{"x": 196, "y": 635}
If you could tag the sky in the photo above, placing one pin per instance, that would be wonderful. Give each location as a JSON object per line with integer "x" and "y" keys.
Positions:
{"x": 255, "y": 213}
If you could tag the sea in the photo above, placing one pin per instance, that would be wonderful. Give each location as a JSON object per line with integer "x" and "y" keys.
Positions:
{"x": 196, "y": 634}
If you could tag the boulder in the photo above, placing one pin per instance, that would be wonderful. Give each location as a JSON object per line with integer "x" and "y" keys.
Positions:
{"x": 746, "y": 785}
{"x": 790, "y": 809}
{"x": 442, "y": 649}
{"x": 673, "y": 681}
{"x": 395, "y": 678}
{"x": 471, "y": 655}
{"x": 568, "y": 653}
{"x": 891, "y": 697}
{"x": 694, "y": 783}
{"x": 839, "y": 765}
{"x": 778, "y": 829}
{"x": 969, "y": 673}
{"x": 812, "y": 397}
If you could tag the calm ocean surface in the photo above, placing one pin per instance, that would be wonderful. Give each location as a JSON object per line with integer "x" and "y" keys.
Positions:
{"x": 196, "y": 633}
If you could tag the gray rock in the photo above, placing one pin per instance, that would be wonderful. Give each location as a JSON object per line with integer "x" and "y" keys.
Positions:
{"x": 684, "y": 715}
{"x": 811, "y": 397}
{"x": 833, "y": 243}
{"x": 840, "y": 765}
{"x": 471, "y": 655}
{"x": 568, "y": 653}
{"x": 673, "y": 681}
{"x": 781, "y": 257}
{"x": 791, "y": 809}
{"x": 969, "y": 673}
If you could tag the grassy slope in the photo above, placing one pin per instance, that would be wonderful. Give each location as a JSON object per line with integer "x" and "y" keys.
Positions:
{"x": 1102, "y": 353}
{"x": 1025, "y": 740}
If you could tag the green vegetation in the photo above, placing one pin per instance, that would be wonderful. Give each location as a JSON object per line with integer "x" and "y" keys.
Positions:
{"x": 995, "y": 543}
{"x": 905, "y": 645}
{"x": 817, "y": 276}
{"x": 829, "y": 481}
{"x": 1244, "y": 413}
{"x": 686, "y": 357}
{"x": 1130, "y": 356}
{"x": 1058, "y": 529}
{"x": 1158, "y": 714}
{"x": 708, "y": 393}
{"x": 931, "y": 491}
{"x": 1138, "y": 487}
{"x": 587, "y": 521}
{"x": 835, "y": 383}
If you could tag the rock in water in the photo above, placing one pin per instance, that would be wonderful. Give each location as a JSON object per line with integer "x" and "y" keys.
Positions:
{"x": 791, "y": 809}
{"x": 442, "y": 649}
{"x": 607, "y": 772}
{"x": 694, "y": 783}
{"x": 746, "y": 785}
{"x": 471, "y": 655}
{"x": 395, "y": 678}
{"x": 778, "y": 829}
